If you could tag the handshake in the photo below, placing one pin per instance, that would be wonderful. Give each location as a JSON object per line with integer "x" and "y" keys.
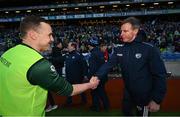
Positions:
{"x": 94, "y": 82}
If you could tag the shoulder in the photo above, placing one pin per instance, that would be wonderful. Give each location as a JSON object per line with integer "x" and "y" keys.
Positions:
{"x": 78, "y": 54}
{"x": 42, "y": 66}
{"x": 118, "y": 47}
{"x": 147, "y": 44}
{"x": 67, "y": 55}
{"x": 151, "y": 48}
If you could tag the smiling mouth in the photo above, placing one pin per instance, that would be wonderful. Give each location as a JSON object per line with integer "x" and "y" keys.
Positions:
{"x": 50, "y": 43}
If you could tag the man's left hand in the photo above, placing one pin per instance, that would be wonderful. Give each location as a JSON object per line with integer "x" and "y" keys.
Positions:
{"x": 153, "y": 106}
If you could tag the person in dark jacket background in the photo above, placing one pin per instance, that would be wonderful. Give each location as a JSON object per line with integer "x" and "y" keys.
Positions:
{"x": 57, "y": 58}
{"x": 143, "y": 71}
{"x": 95, "y": 61}
{"x": 76, "y": 69}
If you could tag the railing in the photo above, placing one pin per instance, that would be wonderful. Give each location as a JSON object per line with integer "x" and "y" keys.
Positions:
{"x": 80, "y": 4}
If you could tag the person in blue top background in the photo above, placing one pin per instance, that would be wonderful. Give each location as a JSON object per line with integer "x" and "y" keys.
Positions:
{"x": 95, "y": 61}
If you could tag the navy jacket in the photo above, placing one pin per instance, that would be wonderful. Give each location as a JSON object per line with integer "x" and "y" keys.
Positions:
{"x": 143, "y": 70}
{"x": 75, "y": 67}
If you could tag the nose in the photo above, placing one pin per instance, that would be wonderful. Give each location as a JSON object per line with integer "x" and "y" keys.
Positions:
{"x": 52, "y": 39}
{"x": 120, "y": 36}
{"x": 121, "y": 33}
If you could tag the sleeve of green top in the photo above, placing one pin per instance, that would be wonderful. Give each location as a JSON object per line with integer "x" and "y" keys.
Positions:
{"x": 43, "y": 73}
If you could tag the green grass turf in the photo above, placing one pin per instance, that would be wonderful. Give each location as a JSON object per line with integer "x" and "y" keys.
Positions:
{"x": 86, "y": 112}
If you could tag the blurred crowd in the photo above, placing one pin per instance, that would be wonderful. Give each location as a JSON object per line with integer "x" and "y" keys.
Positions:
{"x": 162, "y": 33}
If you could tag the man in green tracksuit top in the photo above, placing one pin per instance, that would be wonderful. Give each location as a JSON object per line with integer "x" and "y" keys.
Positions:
{"x": 25, "y": 76}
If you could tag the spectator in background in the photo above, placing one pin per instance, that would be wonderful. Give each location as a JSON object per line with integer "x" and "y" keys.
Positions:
{"x": 25, "y": 75}
{"x": 104, "y": 49}
{"x": 143, "y": 71}
{"x": 57, "y": 58}
{"x": 103, "y": 95}
{"x": 76, "y": 69}
{"x": 95, "y": 61}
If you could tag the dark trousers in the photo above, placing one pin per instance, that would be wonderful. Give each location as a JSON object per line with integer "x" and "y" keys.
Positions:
{"x": 129, "y": 105}
{"x": 50, "y": 99}
{"x": 83, "y": 95}
{"x": 83, "y": 99}
{"x": 99, "y": 95}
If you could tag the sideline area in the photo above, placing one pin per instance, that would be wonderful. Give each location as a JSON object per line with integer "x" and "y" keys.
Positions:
{"x": 114, "y": 90}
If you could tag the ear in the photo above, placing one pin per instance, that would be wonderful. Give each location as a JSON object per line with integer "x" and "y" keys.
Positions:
{"x": 136, "y": 31}
{"x": 32, "y": 34}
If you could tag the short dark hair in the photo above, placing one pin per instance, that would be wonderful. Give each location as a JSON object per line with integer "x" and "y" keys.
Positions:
{"x": 30, "y": 22}
{"x": 133, "y": 21}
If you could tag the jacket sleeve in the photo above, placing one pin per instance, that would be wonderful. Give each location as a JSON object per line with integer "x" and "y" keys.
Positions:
{"x": 158, "y": 71}
{"x": 106, "y": 67}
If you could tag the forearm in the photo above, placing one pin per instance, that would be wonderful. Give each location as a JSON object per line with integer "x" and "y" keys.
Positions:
{"x": 105, "y": 68}
{"x": 103, "y": 71}
{"x": 79, "y": 88}
{"x": 160, "y": 89}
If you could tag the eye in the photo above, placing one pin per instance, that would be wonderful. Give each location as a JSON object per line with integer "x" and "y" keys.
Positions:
{"x": 51, "y": 35}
